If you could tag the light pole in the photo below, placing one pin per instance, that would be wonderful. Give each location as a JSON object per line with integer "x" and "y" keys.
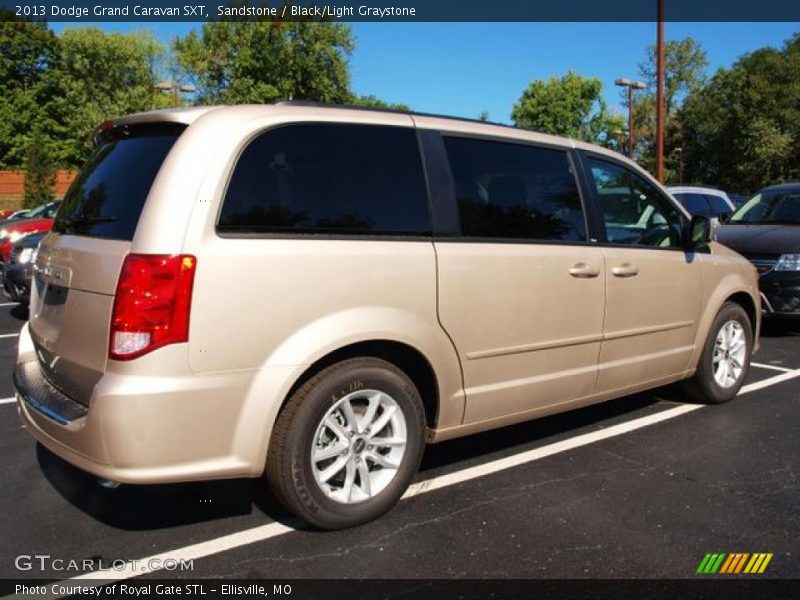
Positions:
{"x": 620, "y": 137}
{"x": 631, "y": 85}
{"x": 660, "y": 93}
{"x": 176, "y": 89}
{"x": 679, "y": 152}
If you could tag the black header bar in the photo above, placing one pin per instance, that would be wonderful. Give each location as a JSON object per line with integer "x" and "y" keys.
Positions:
{"x": 404, "y": 10}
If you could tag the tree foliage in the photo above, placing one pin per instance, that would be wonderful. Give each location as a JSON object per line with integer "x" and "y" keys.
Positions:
{"x": 98, "y": 76}
{"x": 684, "y": 74}
{"x": 742, "y": 130}
{"x": 66, "y": 85}
{"x": 372, "y": 101}
{"x": 561, "y": 106}
{"x": 39, "y": 171}
{"x": 685, "y": 63}
{"x": 241, "y": 62}
{"x": 570, "y": 105}
{"x": 63, "y": 86}
{"x": 28, "y": 49}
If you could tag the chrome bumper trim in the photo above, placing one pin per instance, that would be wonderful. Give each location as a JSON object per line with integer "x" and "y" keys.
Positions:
{"x": 40, "y": 395}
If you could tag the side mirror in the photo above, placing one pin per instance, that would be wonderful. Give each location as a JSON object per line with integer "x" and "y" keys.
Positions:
{"x": 697, "y": 233}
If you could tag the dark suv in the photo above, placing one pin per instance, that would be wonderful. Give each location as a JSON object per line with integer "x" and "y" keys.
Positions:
{"x": 766, "y": 230}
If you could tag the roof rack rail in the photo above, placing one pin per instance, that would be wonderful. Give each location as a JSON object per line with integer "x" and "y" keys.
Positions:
{"x": 387, "y": 110}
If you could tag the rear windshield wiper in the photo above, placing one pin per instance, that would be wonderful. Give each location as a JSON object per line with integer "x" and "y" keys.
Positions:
{"x": 82, "y": 219}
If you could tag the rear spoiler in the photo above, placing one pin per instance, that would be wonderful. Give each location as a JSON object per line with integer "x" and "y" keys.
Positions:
{"x": 111, "y": 130}
{"x": 178, "y": 116}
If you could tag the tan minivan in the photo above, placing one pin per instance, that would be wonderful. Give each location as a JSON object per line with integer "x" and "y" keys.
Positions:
{"x": 313, "y": 294}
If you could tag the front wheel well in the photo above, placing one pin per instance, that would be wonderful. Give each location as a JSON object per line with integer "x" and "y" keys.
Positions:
{"x": 407, "y": 358}
{"x": 744, "y": 300}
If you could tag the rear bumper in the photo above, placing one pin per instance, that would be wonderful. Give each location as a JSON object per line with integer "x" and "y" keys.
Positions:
{"x": 146, "y": 429}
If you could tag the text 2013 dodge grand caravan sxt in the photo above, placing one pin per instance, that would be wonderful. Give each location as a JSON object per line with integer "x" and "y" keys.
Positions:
{"x": 314, "y": 293}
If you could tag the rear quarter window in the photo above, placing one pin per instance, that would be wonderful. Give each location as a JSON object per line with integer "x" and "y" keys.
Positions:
{"x": 107, "y": 197}
{"x": 320, "y": 178}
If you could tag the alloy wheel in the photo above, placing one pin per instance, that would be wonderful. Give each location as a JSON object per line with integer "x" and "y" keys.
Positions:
{"x": 358, "y": 446}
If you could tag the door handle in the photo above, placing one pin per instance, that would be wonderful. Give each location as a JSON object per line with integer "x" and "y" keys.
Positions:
{"x": 583, "y": 270}
{"x": 625, "y": 270}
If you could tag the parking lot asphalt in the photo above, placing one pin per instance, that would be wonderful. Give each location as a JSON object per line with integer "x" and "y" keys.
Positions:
{"x": 640, "y": 487}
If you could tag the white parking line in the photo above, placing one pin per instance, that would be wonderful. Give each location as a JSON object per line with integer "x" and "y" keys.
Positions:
{"x": 10, "y": 304}
{"x": 9, "y": 335}
{"x": 7, "y": 400}
{"x": 770, "y": 367}
{"x": 274, "y": 529}
{"x": 769, "y": 381}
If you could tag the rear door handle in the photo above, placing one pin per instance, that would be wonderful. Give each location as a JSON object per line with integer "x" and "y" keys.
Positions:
{"x": 583, "y": 270}
{"x": 625, "y": 270}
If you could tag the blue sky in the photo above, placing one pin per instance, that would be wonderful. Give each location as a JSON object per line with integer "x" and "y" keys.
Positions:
{"x": 465, "y": 68}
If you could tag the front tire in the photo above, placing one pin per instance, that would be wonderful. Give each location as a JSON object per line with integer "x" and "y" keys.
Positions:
{"x": 726, "y": 355}
{"x": 347, "y": 443}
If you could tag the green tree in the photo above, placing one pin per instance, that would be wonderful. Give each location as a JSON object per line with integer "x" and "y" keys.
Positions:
{"x": 742, "y": 130}
{"x": 239, "y": 62}
{"x": 39, "y": 171}
{"x": 571, "y": 106}
{"x": 28, "y": 49}
{"x": 609, "y": 130}
{"x": 98, "y": 76}
{"x": 375, "y": 102}
{"x": 685, "y": 63}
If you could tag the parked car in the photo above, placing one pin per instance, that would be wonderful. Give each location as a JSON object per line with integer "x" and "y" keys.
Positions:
{"x": 19, "y": 269}
{"x": 393, "y": 279}
{"x": 39, "y": 219}
{"x": 22, "y": 213}
{"x": 705, "y": 201}
{"x": 766, "y": 230}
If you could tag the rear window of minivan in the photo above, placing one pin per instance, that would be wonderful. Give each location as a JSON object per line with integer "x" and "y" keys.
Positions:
{"x": 107, "y": 197}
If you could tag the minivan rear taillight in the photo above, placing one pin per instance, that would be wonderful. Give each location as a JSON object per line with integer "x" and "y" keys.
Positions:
{"x": 152, "y": 303}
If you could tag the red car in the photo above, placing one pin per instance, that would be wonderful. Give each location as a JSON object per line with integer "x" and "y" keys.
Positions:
{"x": 40, "y": 219}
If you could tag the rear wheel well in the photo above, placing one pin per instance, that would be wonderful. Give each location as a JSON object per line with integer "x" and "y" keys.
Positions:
{"x": 746, "y": 302}
{"x": 408, "y": 359}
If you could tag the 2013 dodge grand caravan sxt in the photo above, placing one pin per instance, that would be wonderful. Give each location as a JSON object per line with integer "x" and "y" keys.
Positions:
{"x": 314, "y": 293}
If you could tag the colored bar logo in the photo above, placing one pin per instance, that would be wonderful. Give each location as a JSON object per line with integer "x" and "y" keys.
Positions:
{"x": 734, "y": 563}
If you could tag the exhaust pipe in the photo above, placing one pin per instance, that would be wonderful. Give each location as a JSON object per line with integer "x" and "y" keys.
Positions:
{"x": 108, "y": 484}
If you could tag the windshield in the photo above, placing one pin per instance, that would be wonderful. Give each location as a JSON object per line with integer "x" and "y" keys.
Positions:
{"x": 696, "y": 204}
{"x": 45, "y": 211}
{"x": 107, "y": 197}
{"x": 777, "y": 206}
{"x": 705, "y": 205}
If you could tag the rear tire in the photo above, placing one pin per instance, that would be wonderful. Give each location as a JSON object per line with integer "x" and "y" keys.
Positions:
{"x": 347, "y": 444}
{"x": 725, "y": 359}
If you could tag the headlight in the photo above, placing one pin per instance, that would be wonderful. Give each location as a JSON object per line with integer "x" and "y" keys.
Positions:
{"x": 3, "y": 233}
{"x": 788, "y": 262}
{"x": 26, "y": 255}
{"x": 15, "y": 235}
